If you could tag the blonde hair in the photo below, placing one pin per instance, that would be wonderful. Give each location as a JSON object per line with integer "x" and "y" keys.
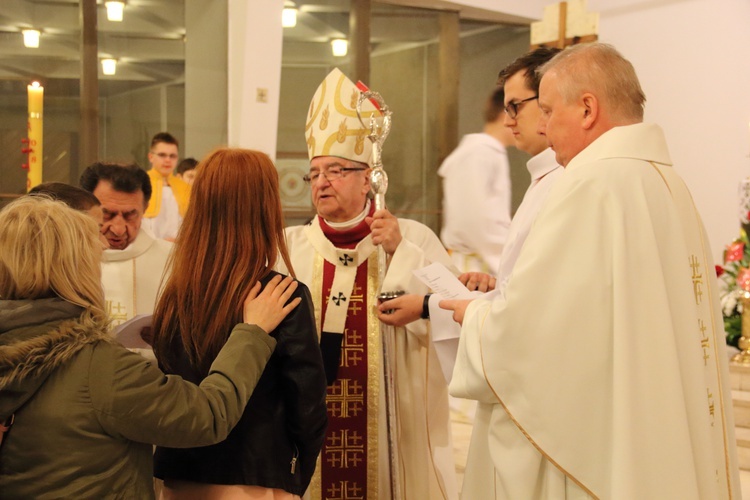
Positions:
{"x": 49, "y": 249}
{"x": 600, "y": 69}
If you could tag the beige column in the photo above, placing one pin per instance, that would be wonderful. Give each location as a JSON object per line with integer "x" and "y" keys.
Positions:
{"x": 89, "y": 141}
{"x": 359, "y": 40}
{"x": 448, "y": 70}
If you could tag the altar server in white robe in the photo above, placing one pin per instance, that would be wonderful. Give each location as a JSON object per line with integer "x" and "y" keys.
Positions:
{"x": 335, "y": 256}
{"x": 476, "y": 193}
{"x": 607, "y": 352}
{"x": 133, "y": 265}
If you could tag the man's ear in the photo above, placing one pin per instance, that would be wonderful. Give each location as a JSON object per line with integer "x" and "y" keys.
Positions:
{"x": 590, "y": 105}
{"x": 366, "y": 186}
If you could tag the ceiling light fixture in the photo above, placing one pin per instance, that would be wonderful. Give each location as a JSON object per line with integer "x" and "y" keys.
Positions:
{"x": 114, "y": 10}
{"x": 109, "y": 66}
{"x": 339, "y": 47}
{"x": 289, "y": 17}
{"x": 31, "y": 38}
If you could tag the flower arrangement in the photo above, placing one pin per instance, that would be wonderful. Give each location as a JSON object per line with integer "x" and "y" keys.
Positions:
{"x": 734, "y": 280}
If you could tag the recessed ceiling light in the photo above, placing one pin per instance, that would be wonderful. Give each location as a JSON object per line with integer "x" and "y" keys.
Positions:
{"x": 339, "y": 47}
{"x": 31, "y": 38}
{"x": 109, "y": 66}
{"x": 114, "y": 10}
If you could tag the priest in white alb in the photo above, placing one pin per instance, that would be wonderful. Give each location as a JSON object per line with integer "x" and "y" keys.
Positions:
{"x": 335, "y": 255}
{"x": 133, "y": 265}
{"x": 606, "y": 354}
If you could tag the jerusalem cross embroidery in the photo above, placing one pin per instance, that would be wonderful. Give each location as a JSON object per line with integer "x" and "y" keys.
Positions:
{"x": 697, "y": 279}
{"x": 346, "y": 399}
{"x": 705, "y": 342}
{"x": 711, "y": 409}
{"x": 345, "y": 490}
{"x": 116, "y": 312}
{"x": 355, "y": 300}
{"x": 345, "y": 449}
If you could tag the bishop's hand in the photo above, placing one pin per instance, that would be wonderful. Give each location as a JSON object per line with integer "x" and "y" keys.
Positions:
{"x": 385, "y": 230}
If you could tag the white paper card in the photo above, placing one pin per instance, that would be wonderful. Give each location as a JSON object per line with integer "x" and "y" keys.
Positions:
{"x": 442, "y": 282}
{"x": 129, "y": 333}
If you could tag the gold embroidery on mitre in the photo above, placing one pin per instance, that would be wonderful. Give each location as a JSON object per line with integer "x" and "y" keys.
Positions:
{"x": 310, "y": 113}
{"x": 314, "y": 111}
{"x": 338, "y": 98}
{"x": 324, "y": 119}
{"x": 341, "y": 136}
{"x": 359, "y": 145}
{"x": 311, "y": 142}
{"x": 354, "y": 98}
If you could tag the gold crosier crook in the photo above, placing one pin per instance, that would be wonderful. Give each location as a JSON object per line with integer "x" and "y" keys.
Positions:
{"x": 379, "y": 185}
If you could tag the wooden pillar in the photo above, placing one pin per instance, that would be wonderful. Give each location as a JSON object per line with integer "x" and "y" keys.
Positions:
{"x": 359, "y": 40}
{"x": 448, "y": 69}
{"x": 89, "y": 143}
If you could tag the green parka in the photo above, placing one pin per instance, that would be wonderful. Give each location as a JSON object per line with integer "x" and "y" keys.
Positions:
{"x": 87, "y": 410}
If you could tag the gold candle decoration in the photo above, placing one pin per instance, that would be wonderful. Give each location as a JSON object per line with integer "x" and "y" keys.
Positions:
{"x": 36, "y": 114}
{"x": 743, "y": 357}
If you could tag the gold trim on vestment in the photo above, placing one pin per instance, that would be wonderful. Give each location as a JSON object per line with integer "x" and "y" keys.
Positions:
{"x": 426, "y": 375}
{"x": 316, "y": 290}
{"x": 727, "y": 460}
{"x": 374, "y": 361}
{"x": 517, "y": 423}
{"x": 135, "y": 295}
{"x": 706, "y": 264}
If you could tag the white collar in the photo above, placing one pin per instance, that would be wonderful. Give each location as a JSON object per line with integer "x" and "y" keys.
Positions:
{"x": 542, "y": 164}
{"x": 343, "y": 226}
{"x": 139, "y": 246}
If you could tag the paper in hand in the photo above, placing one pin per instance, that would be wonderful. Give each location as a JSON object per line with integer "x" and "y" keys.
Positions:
{"x": 129, "y": 333}
{"x": 442, "y": 282}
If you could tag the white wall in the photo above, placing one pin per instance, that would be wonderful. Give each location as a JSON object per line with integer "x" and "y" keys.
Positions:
{"x": 693, "y": 59}
{"x": 254, "y": 60}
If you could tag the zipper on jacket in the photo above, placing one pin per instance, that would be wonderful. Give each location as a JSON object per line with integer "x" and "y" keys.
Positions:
{"x": 294, "y": 459}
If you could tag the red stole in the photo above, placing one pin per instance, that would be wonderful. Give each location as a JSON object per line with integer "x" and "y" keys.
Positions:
{"x": 344, "y": 464}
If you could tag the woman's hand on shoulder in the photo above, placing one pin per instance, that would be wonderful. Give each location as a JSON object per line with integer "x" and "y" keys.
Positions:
{"x": 269, "y": 307}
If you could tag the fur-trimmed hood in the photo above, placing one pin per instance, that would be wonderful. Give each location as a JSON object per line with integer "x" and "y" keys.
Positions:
{"x": 36, "y": 337}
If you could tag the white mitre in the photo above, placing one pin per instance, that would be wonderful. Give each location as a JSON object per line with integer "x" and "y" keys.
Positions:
{"x": 333, "y": 128}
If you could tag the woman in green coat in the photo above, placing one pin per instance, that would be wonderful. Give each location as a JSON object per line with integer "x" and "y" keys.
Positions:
{"x": 85, "y": 410}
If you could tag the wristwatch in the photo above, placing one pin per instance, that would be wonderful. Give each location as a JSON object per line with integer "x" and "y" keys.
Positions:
{"x": 426, "y": 307}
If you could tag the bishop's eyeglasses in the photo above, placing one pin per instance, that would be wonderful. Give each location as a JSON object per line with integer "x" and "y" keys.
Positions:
{"x": 512, "y": 107}
{"x": 330, "y": 175}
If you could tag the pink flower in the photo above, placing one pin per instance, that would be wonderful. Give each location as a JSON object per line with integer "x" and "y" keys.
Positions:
{"x": 734, "y": 252}
{"x": 743, "y": 279}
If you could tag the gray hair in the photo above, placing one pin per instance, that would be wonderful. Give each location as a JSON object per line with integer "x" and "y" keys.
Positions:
{"x": 600, "y": 69}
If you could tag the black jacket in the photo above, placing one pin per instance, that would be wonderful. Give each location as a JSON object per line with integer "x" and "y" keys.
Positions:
{"x": 284, "y": 421}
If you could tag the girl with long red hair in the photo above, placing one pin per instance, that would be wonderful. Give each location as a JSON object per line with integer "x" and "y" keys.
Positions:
{"x": 231, "y": 238}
